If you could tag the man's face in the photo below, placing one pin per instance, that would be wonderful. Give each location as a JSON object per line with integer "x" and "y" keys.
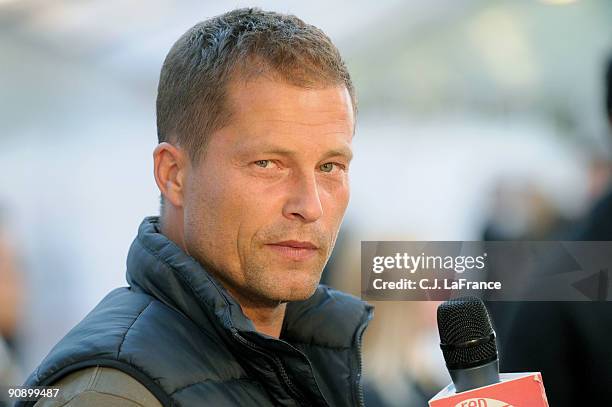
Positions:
{"x": 264, "y": 204}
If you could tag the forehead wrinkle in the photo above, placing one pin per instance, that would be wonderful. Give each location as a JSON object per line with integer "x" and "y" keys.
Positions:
{"x": 283, "y": 127}
{"x": 272, "y": 148}
{"x": 302, "y": 123}
{"x": 248, "y": 97}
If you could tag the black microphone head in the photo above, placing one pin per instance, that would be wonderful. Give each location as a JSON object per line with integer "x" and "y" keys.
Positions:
{"x": 467, "y": 338}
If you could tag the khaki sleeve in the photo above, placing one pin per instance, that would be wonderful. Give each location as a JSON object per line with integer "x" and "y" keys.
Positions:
{"x": 100, "y": 386}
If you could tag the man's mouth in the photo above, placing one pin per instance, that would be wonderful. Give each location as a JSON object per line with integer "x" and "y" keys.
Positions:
{"x": 294, "y": 249}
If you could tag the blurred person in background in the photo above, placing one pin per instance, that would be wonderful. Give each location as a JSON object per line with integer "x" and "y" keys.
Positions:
{"x": 11, "y": 296}
{"x": 255, "y": 114}
{"x": 569, "y": 342}
{"x": 598, "y": 224}
{"x": 521, "y": 211}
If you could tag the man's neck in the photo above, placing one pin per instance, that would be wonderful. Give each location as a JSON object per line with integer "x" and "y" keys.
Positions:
{"x": 169, "y": 226}
{"x": 268, "y": 319}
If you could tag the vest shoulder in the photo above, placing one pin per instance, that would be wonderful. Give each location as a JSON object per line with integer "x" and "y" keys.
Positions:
{"x": 151, "y": 341}
{"x": 100, "y": 386}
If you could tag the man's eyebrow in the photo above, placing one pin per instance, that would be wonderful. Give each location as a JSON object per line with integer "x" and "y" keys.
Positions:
{"x": 343, "y": 152}
{"x": 279, "y": 151}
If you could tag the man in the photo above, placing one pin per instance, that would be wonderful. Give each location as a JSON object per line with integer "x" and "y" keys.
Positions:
{"x": 255, "y": 115}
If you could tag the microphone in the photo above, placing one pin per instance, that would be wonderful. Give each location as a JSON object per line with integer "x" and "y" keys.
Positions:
{"x": 468, "y": 343}
{"x": 467, "y": 340}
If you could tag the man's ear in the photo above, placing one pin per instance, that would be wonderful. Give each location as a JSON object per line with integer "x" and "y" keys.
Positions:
{"x": 170, "y": 169}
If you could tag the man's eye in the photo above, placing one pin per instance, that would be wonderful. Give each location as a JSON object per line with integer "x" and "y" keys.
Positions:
{"x": 327, "y": 167}
{"x": 262, "y": 163}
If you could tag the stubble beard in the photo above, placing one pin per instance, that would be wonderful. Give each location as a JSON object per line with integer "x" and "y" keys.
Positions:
{"x": 270, "y": 282}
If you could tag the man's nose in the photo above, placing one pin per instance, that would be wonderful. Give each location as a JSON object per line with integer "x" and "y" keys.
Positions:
{"x": 303, "y": 202}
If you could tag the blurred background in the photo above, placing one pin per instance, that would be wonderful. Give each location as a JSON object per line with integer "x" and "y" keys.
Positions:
{"x": 477, "y": 119}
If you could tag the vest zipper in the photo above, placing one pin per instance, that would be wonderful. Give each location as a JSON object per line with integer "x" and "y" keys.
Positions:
{"x": 295, "y": 393}
{"x": 358, "y": 391}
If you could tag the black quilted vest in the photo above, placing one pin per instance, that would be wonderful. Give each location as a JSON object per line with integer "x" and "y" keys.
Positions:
{"x": 178, "y": 332}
